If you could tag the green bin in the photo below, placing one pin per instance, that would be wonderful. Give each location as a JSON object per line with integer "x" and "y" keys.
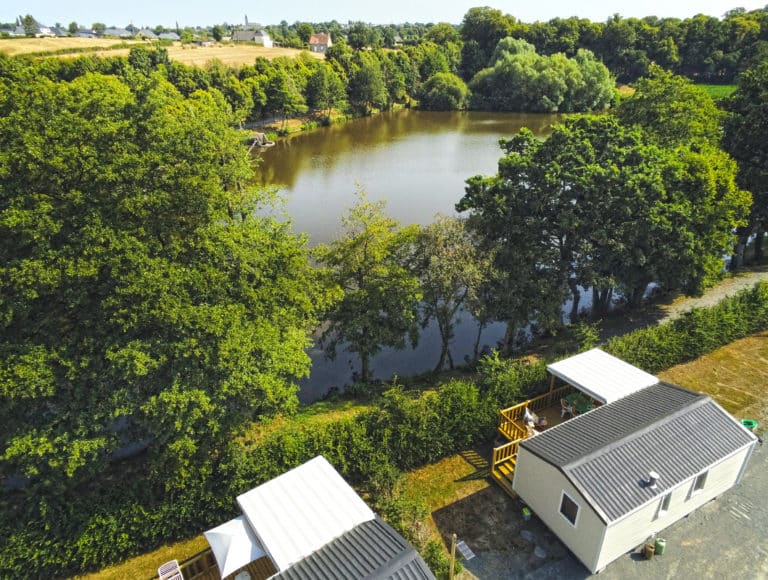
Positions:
{"x": 749, "y": 424}
{"x": 661, "y": 545}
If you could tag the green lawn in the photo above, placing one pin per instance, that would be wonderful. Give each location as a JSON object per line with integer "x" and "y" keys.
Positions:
{"x": 718, "y": 92}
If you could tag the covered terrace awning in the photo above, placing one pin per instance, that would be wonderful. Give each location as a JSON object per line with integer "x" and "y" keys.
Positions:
{"x": 601, "y": 376}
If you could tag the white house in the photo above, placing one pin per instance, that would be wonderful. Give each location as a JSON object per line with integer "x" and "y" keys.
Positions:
{"x": 309, "y": 523}
{"x": 258, "y": 36}
{"x": 608, "y": 479}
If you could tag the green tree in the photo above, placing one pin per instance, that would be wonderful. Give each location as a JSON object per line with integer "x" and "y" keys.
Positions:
{"x": 30, "y": 25}
{"x": 451, "y": 271}
{"x": 283, "y": 96}
{"x": 99, "y": 27}
{"x": 369, "y": 262}
{"x": 304, "y": 31}
{"x": 218, "y": 32}
{"x": 73, "y": 28}
{"x": 600, "y": 205}
{"x": 366, "y": 89}
{"x": 672, "y": 110}
{"x": 139, "y": 282}
{"x": 444, "y": 92}
{"x": 746, "y": 139}
{"x": 325, "y": 90}
{"x": 443, "y": 33}
{"x": 481, "y": 30}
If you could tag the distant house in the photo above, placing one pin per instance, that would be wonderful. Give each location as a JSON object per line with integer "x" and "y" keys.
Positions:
{"x": 40, "y": 30}
{"x": 606, "y": 480}
{"x": 320, "y": 42}
{"x": 147, "y": 33}
{"x": 307, "y": 523}
{"x": 118, "y": 32}
{"x": 169, "y": 36}
{"x": 258, "y": 36}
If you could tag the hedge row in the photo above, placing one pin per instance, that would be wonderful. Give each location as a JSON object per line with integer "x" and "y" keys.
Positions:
{"x": 119, "y": 517}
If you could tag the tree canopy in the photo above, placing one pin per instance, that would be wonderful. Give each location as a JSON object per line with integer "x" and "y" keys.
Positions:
{"x": 519, "y": 79}
{"x": 141, "y": 296}
{"x": 599, "y": 205}
{"x": 381, "y": 294}
{"x": 746, "y": 139}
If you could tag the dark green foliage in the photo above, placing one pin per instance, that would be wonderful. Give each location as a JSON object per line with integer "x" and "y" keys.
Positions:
{"x": 444, "y": 92}
{"x": 519, "y": 79}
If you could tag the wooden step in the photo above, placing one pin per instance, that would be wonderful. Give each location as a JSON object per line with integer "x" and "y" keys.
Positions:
{"x": 507, "y": 469}
{"x": 504, "y": 482}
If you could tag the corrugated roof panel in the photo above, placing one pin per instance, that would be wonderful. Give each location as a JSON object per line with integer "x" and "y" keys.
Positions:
{"x": 301, "y": 510}
{"x": 601, "y": 375}
{"x": 372, "y": 550}
{"x": 608, "y": 453}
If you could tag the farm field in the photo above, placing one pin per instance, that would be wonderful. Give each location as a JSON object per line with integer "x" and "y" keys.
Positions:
{"x": 16, "y": 46}
{"x": 229, "y": 54}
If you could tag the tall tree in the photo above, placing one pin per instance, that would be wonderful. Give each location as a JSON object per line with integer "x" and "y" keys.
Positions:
{"x": 600, "y": 205}
{"x": 138, "y": 281}
{"x": 746, "y": 139}
{"x": 451, "y": 271}
{"x": 369, "y": 262}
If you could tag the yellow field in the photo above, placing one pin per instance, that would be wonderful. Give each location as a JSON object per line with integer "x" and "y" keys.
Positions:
{"x": 14, "y": 46}
{"x": 229, "y": 54}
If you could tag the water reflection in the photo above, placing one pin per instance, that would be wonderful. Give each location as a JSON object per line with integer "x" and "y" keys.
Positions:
{"x": 418, "y": 161}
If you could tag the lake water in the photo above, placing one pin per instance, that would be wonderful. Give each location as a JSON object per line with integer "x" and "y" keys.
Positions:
{"x": 418, "y": 162}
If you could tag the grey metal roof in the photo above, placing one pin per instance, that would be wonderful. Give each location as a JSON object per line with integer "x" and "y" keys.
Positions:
{"x": 371, "y": 550}
{"x": 608, "y": 452}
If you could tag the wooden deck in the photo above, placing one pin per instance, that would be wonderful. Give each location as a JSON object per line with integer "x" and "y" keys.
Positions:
{"x": 512, "y": 426}
{"x": 203, "y": 566}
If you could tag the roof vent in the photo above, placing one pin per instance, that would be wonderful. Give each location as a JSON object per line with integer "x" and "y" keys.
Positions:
{"x": 653, "y": 479}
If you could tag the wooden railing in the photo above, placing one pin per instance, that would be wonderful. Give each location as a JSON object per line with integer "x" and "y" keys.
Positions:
{"x": 505, "y": 452}
{"x": 515, "y": 414}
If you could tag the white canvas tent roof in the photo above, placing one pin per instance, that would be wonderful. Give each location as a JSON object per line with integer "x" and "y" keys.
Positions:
{"x": 301, "y": 510}
{"x": 602, "y": 376}
{"x": 234, "y": 545}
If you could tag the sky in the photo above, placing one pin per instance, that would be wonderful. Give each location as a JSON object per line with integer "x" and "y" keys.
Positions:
{"x": 198, "y": 13}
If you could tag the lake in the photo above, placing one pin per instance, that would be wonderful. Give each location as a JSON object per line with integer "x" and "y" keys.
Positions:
{"x": 418, "y": 162}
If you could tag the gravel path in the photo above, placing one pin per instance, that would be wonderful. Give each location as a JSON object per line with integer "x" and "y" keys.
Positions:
{"x": 712, "y": 296}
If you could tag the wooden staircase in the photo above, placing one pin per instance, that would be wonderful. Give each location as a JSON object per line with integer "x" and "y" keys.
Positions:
{"x": 502, "y": 474}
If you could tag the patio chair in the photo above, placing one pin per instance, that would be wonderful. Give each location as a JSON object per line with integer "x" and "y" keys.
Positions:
{"x": 170, "y": 571}
{"x": 565, "y": 407}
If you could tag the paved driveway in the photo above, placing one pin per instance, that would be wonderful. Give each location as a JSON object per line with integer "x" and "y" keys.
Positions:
{"x": 727, "y": 538}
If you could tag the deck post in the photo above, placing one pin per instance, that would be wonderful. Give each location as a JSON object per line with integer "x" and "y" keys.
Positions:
{"x": 453, "y": 556}
{"x": 552, "y": 384}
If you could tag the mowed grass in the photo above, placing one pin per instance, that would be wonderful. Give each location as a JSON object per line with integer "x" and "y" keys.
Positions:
{"x": 718, "y": 91}
{"x": 229, "y": 54}
{"x": 736, "y": 376}
{"x": 145, "y": 566}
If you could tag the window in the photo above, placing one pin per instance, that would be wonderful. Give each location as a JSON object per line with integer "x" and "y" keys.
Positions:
{"x": 664, "y": 504}
{"x": 569, "y": 509}
{"x": 698, "y": 483}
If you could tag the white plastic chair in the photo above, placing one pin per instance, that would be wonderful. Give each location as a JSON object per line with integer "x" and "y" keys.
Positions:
{"x": 170, "y": 571}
